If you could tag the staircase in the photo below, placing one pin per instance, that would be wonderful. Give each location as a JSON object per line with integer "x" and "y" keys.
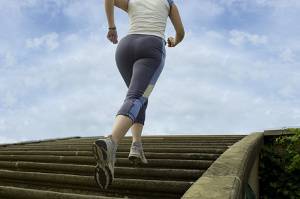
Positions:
{"x": 64, "y": 168}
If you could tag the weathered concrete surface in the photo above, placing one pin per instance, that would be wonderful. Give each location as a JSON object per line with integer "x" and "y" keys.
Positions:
{"x": 13, "y": 192}
{"x": 227, "y": 176}
{"x": 253, "y": 179}
{"x": 277, "y": 132}
{"x": 64, "y": 168}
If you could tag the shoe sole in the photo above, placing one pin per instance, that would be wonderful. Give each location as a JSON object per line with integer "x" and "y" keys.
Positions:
{"x": 135, "y": 160}
{"x": 100, "y": 177}
{"x": 101, "y": 159}
{"x": 100, "y": 145}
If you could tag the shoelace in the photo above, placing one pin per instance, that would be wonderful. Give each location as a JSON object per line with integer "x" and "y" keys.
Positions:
{"x": 136, "y": 148}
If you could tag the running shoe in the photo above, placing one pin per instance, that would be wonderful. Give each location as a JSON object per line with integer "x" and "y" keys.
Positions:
{"x": 105, "y": 155}
{"x": 136, "y": 155}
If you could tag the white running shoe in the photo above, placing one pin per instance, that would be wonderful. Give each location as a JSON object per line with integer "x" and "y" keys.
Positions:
{"x": 105, "y": 155}
{"x": 136, "y": 155}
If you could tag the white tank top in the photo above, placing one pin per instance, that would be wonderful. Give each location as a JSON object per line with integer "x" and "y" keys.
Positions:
{"x": 148, "y": 16}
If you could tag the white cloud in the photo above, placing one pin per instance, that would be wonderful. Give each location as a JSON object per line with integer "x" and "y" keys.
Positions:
{"x": 5, "y": 140}
{"x": 239, "y": 38}
{"x": 207, "y": 86}
{"x": 287, "y": 55}
{"x": 72, "y": 38}
{"x": 199, "y": 13}
{"x": 69, "y": 93}
{"x": 48, "y": 41}
{"x": 92, "y": 11}
{"x": 8, "y": 100}
{"x": 220, "y": 83}
{"x": 207, "y": 8}
{"x": 262, "y": 3}
{"x": 7, "y": 59}
{"x": 278, "y": 3}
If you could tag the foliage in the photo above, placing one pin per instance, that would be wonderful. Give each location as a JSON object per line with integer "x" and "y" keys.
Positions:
{"x": 290, "y": 157}
{"x": 279, "y": 169}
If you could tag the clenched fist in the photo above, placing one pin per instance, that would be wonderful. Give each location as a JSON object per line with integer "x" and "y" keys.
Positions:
{"x": 112, "y": 36}
{"x": 171, "y": 42}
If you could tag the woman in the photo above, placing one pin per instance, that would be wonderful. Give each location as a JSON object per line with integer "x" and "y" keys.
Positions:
{"x": 140, "y": 58}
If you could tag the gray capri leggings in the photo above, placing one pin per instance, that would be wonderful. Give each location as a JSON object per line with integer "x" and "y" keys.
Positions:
{"x": 140, "y": 59}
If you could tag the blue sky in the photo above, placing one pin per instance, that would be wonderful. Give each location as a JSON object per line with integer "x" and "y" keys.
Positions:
{"x": 236, "y": 72}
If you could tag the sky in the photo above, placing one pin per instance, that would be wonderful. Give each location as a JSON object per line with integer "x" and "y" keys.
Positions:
{"x": 237, "y": 70}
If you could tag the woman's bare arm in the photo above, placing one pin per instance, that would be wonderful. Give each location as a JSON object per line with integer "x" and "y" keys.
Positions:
{"x": 122, "y": 4}
{"x": 112, "y": 33}
{"x": 177, "y": 23}
{"x": 109, "y": 9}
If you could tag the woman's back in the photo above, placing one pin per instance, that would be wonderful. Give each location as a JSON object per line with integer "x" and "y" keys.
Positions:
{"x": 148, "y": 16}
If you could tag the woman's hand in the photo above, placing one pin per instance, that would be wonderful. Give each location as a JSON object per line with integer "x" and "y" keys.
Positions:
{"x": 171, "y": 42}
{"x": 112, "y": 36}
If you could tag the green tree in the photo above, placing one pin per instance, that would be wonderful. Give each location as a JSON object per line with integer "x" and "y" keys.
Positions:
{"x": 279, "y": 171}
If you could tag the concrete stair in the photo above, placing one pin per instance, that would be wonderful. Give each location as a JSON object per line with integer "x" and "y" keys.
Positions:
{"x": 64, "y": 168}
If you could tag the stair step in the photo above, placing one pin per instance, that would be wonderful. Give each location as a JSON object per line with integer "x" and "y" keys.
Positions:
{"x": 127, "y": 172}
{"x": 171, "y": 163}
{"x": 185, "y": 156}
{"x": 88, "y": 181}
{"x": 14, "y": 192}
{"x": 156, "y": 149}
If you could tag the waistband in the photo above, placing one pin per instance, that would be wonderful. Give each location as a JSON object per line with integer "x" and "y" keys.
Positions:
{"x": 147, "y": 35}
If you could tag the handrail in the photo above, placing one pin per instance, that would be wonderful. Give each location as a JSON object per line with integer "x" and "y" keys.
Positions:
{"x": 228, "y": 176}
